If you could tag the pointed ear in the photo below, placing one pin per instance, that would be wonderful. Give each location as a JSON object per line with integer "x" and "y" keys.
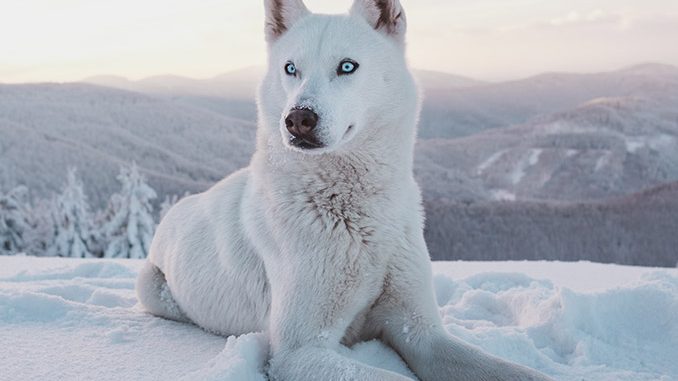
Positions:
{"x": 281, "y": 15}
{"x": 386, "y": 16}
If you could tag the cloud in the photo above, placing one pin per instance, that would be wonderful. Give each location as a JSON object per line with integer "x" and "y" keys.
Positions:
{"x": 595, "y": 16}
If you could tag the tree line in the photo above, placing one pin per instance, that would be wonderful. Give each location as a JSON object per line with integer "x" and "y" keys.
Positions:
{"x": 638, "y": 230}
{"x": 66, "y": 226}
{"x": 635, "y": 230}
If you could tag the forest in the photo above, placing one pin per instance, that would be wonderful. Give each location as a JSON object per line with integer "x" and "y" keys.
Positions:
{"x": 639, "y": 229}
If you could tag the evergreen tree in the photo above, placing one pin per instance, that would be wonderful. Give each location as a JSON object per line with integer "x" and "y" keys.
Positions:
{"x": 72, "y": 223}
{"x": 40, "y": 237}
{"x": 129, "y": 224}
{"x": 14, "y": 221}
{"x": 166, "y": 205}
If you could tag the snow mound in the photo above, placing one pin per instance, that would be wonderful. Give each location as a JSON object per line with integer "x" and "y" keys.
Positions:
{"x": 244, "y": 358}
{"x": 77, "y": 319}
{"x": 623, "y": 333}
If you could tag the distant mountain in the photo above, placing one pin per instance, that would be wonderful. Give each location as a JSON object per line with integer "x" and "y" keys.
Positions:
{"x": 453, "y": 106}
{"x": 436, "y": 80}
{"x": 114, "y": 81}
{"x": 451, "y": 113}
{"x": 232, "y": 94}
{"x": 604, "y": 148}
{"x": 46, "y": 128}
{"x": 237, "y": 85}
{"x": 241, "y": 84}
{"x": 654, "y": 69}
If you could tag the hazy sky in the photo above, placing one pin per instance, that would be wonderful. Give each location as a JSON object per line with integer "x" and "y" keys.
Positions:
{"x": 64, "y": 40}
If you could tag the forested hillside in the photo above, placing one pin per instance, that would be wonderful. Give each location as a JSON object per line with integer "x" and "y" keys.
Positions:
{"x": 640, "y": 229}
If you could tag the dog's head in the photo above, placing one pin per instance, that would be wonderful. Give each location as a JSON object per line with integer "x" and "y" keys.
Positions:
{"x": 333, "y": 78}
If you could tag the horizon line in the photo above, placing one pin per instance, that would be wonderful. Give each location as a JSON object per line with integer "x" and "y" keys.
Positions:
{"x": 88, "y": 79}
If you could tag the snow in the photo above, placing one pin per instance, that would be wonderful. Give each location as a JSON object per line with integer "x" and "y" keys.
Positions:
{"x": 519, "y": 172}
{"x": 503, "y": 195}
{"x": 603, "y": 160}
{"x": 571, "y": 152}
{"x": 490, "y": 161}
{"x": 73, "y": 319}
{"x": 657, "y": 142}
{"x": 534, "y": 156}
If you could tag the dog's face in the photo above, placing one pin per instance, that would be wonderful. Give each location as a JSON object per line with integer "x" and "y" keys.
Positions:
{"x": 332, "y": 78}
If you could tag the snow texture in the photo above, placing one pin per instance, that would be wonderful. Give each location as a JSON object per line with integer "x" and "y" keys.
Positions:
{"x": 76, "y": 319}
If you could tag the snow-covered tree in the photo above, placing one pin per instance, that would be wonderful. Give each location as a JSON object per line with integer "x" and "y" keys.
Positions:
{"x": 129, "y": 224}
{"x": 72, "y": 221}
{"x": 166, "y": 205}
{"x": 14, "y": 221}
{"x": 40, "y": 237}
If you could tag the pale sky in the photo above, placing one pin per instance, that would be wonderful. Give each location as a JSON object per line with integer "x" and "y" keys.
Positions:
{"x": 67, "y": 40}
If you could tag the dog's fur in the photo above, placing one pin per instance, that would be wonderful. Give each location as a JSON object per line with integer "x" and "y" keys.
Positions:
{"x": 320, "y": 247}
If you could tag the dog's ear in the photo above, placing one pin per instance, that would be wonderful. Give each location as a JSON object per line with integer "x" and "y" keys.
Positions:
{"x": 280, "y": 15}
{"x": 386, "y": 16}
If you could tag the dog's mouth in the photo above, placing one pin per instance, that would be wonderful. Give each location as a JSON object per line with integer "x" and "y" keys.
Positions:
{"x": 305, "y": 143}
{"x": 312, "y": 143}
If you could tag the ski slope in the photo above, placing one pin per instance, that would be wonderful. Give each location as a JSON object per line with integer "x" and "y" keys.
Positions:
{"x": 66, "y": 319}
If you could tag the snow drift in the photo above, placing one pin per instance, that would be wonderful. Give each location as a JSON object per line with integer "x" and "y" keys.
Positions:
{"x": 78, "y": 319}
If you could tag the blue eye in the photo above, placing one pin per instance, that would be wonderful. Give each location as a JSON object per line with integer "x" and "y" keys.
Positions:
{"x": 347, "y": 67}
{"x": 290, "y": 69}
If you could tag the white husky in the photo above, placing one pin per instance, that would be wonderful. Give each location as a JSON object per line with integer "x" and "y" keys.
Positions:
{"x": 319, "y": 242}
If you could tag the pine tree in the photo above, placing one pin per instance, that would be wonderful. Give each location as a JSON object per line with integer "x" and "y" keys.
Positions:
{"x": 40, "y": 237}
{"x": 129, "y": 225}
{"x": 167, "y": 204}
{"x": 14, "y": 221}
{"x": 72, "y": 223}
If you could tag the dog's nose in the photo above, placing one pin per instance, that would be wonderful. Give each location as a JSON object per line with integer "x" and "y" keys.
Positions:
{"x": 301, "y": 123}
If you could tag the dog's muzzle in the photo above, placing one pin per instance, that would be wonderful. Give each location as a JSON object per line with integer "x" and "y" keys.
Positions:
{"x": 301, "y": 124}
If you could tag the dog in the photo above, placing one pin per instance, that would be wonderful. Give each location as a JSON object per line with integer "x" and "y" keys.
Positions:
{"x": 319, "y": 242}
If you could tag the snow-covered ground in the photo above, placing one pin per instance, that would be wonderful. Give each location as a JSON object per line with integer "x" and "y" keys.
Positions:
{"x": 64, "y": 319}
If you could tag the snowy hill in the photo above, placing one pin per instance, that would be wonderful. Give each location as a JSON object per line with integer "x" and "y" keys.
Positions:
{"x": 430, "y": 80}
{"x": 606, "y": 147}
{"x": 240, "y": 84}
{"x": 178, "y": 147}
{"x": 449, "y": 113}
{"x": 78, "y": 320}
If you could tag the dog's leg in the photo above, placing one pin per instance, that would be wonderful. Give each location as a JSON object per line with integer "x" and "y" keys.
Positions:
{"x": 408, "y": 319}
{"x": 311, "y": 363}
{"x": 308, "y": 321}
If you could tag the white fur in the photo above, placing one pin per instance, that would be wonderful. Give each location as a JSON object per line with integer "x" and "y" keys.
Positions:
{"x": 323, "y": 247}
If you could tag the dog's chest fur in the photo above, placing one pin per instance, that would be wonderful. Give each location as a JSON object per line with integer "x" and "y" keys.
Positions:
{"x": 348, "y": 215}
{"x": 344, "y": 197}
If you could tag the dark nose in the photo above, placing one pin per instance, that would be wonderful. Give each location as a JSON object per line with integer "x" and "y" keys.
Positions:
{"x": 301, "y": 123}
